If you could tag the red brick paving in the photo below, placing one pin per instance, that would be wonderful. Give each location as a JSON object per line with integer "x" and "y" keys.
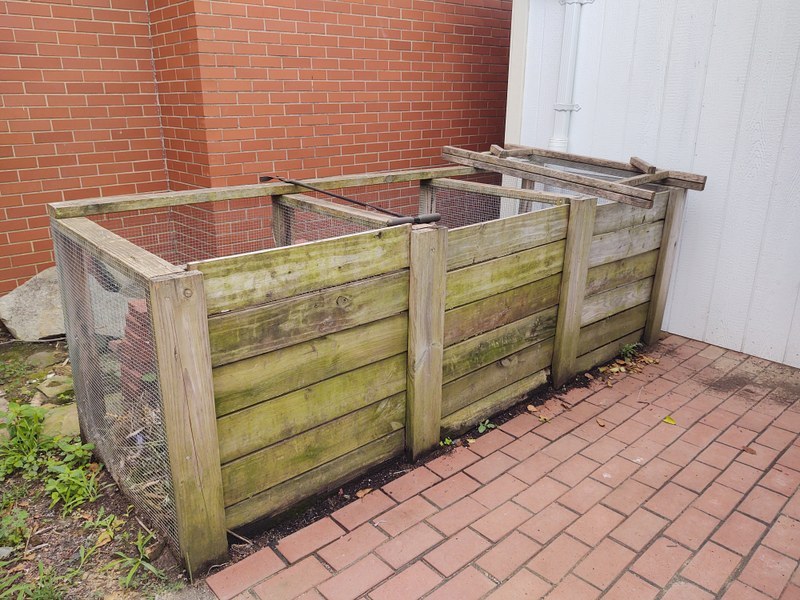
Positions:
{"x": 638, "y": 509}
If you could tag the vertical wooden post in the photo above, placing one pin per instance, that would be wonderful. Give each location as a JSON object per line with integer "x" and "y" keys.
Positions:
{"x": 573, "y": 288}
{"x": 180, "y": 327}
{"x": 673, "y": 220}
{"x": 281, "y": 224}
{"x": 427, "y": 197}
{"x": 426, "y": 299}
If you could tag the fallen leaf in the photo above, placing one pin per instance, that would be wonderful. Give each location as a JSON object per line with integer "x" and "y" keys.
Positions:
{"x": 543, "y": 419}
{"x": 588, "y": 376}
{"x": 362, "y": 493}
{"x": 471, "y": 440}
{"x": 601, "y": 422}
{"x": 104, "y": 538}
{"x": 603, "y": 369}
{"x": 532, "y": 408}
{"x": 619, "y": 361}
{"x": 669, "y": 420}
{"x": 748, "y": 449}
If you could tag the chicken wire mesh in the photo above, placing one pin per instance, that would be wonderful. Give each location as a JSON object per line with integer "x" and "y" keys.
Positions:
{"x": 110, "y": 339}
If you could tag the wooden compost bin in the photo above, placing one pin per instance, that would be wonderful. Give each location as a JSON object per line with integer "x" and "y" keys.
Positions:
{"x": 285, "y": 372}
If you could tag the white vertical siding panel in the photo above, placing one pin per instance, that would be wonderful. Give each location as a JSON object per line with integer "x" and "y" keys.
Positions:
{"x": 695, "y": 272}
{"x": 755, "y": 159}
{"x": 587, "y": 72}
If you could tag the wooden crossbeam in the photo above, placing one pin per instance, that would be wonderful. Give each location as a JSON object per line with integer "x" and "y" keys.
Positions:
{"x": 499, "y": 191}
{"x": 331, "y": 209}
{"x": 642, "y": 165}
{"x": 644, "y": 178}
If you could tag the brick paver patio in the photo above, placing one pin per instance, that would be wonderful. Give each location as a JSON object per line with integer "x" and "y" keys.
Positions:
{"x": 603, "y": 500}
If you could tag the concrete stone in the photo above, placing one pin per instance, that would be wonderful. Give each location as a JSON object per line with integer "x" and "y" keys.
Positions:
{"x": 45, "y": 358}
{"x": 62, "y": 421}
{"x": 33, "y": 310}
{"x": 55, "y": 386}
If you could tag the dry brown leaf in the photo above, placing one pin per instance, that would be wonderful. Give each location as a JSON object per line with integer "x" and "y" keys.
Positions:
{"x": 588, "y": 376}
{"x": 601, "y": 422}
{"x": 543, "y": 419}
{"x": 532, "y": 408}
{"x": 748, "y": 449}
{"x": 104, "y": 538}
{"x": 471, "y": 440}
{"x": 362, "y": 493}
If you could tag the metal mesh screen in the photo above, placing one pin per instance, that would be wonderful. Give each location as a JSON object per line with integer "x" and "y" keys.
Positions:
{"x": 110, "y": 335}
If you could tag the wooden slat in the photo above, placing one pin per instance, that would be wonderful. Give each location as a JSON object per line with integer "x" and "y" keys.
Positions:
{"x": 495, "y": 311}
{"x": 269, "y": 422}
{"x": 608, "y": 247}
{"x": 563, "y": 179}
{"x": 281, "y": 226}
{"x": 425, "y": 338}
{"x": 613, "y": 217}
{"x": 666, "y": 260}
{"x": 485, "y": 381}
{"x": 598, "y": 334}
{"x": 642, "y": 165}
{"x": 616, "y": 300}
{"x": 259, "y": 277}
{"x": 468, "y": 417}
{"x": 499, "y": 191}
{"x": 689, "y": 181}
{"x": 488, "y": 347}
{"x": 177, "y": 306}
{"x": 317, "y": 481}
{"x": 351, "y": 214}
{"x": 493, "y": 277}
{"x": 573, "y": 288}
{"x": 110, "y": 204}
{"x": 621, "y": 272}
{"x": 280, "y": 462}
{"x": 606, "y": 352}
{"x": 644, "y": 178}
{"x": 247, "y": 382}
{"x": 484, "y": 241}
{"x": 244, "y": 333}
{"x": 121, "y": 254}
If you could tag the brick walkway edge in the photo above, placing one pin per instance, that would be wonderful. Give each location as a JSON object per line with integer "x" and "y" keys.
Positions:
{"x": 603, "y": 500}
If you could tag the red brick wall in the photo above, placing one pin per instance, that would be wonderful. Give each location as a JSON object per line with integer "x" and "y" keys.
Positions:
{"x": 78, "y": 117}
{"x": 244, "y": 87}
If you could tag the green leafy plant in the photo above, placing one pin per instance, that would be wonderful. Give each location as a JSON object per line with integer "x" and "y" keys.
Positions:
{"x": 71, "y": 486}
{"x": 74, "y": 453}
{"x": 446, "y": 442}
{"x": 14, "y": 527}
{"x": 25, "y": 445}
{"x": 131, "y": 565}
{"x": 630, "y": 351}
{"x": 11, "y": 370}
{"x": 48, "y": 586}
{"x": 485, "y": 426}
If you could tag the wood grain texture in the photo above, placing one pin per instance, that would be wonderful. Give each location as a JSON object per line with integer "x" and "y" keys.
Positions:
{"x": 606, "y": 352}
{"x": 280, "y": 418}
{"x": 245, "y": 333}
{"x": 477, "y": 243}
{"x": 616, "y": 245}
{"x": 351, "y": 214}
{"x": 616, "y": 300}
{"x": 492, "y": 277}
{"x": 613, "y": 217}
{"x": 317, "y": 481}
{"x": 489, "y": 313}
{"x": 621, "y": 272}
{"x": 573, "y": 288}
{"x": 289, "y": 458}
{"x": 259, "y": 277}
{"x": 180, "y": 331}
{"x": 499, "y": 191}
{"x": 425, "y": 338}
{"x": 612, "y": 328}
{"x": 247, "y": 382}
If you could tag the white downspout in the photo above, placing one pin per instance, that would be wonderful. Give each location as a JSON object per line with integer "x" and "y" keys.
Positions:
{"x": 564, "y": 106}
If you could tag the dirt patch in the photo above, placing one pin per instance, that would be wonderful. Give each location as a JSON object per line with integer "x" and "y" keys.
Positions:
{"x": 730, "y": 383}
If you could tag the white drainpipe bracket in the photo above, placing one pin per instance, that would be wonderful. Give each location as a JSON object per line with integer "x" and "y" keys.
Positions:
{"x": 563, "y": 2}
{"x": 567, "y": 107}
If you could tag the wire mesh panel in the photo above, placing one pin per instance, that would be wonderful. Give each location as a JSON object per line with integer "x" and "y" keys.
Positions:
{"x": 110, "y": 335}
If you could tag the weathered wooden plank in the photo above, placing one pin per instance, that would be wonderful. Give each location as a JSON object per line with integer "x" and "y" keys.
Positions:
{"x": 485, "y": 381}
{"x": 562, "y": 179}
{"x": 244, "y": 333}
{"x": 257, "y": 277}
{"x": 247, "y": 382}
{"x": 281, "y": 225}
{"x": 493, "y": 239}
{"x": 612, "y": 328}
{"x": 280, "y": 462}
{"x": 317, "y": 481}
{"x": 616, "y": 245}
{"x": 96, "y": 206}
{"x": 278, "y": 419}
{"x": 493, "y": 277}
{"x": 177, "y": 306}
{"x": 500, "y": 191}
{"x": 666, "y": 259}
{"x": 427, "y": 198}
{"x": 496, "y": 344}
{"x": 504, "y": 308}
{"x": 573, "y": 288}
{"x": 425, "y": 338}
{"x": 645, "y": 178}
{"x": 350, "y": 214}
{"x": 613, "y": 216}
{"x": 621, "y": 272}
{"x": 642, "y": 165}
{"x": 121, "y": 254}
{"x": 606, "y": 352}
{"x": 610, "y": 302}
{"x": 471, "y": 415}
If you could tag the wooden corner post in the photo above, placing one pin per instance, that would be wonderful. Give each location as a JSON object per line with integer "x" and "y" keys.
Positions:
{"x": 180, "y": 327}
{"x": 573, "y": 288}
{"x": 425, "y": 338}
{"x": 673, "y": 219}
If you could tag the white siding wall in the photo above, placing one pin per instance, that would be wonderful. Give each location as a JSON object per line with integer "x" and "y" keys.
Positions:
{"x": 708, "y": 86}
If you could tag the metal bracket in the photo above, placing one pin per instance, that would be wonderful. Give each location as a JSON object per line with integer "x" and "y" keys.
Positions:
{"x": 567, "y": 107}
{"x": 563, "y": 2}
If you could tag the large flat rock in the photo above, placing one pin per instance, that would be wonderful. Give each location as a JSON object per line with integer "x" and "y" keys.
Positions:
{"x": 33, "y": 310}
